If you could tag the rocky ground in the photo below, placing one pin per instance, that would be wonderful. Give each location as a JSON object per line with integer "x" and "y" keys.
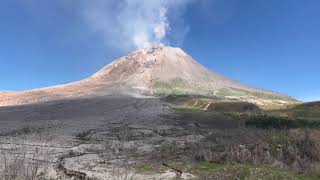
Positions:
{"x": 145, "y": 138}
{"x": 84, "y": 138}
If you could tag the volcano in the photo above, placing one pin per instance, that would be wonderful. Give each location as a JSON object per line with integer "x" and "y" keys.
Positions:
{"x": 156, "y": 71}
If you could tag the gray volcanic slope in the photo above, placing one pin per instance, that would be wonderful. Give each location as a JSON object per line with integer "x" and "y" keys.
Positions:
{"x": 157, "y": 71}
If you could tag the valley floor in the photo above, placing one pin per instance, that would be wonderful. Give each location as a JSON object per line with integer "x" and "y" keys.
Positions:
{"x": 147, "y": 138}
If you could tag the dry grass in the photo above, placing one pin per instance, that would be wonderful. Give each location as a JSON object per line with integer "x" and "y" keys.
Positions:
{"x": 22, "y": 160}
{"x": 119, "y": 156}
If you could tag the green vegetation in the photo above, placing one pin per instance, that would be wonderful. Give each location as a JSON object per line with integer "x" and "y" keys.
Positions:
{"x": 233, "y": 107}
{"x": 175, "y": 87}
{"x": 214, "y": 105}
{"x": 248, "y": 141}
{"x": 280, "y": 122}
{"x": 210, "y": 170}
{"x": 228, "y": 92}
{"x": 245, "y": 172}
{"x": 180, "y": 86}
{"x": 297, "y": 116}
{"x": 310, "y": 111}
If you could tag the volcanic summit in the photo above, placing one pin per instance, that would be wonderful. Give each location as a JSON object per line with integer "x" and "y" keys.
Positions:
{"x": 155, "y": 71}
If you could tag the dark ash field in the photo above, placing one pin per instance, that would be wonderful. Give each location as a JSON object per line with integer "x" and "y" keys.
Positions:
{"x": 119, "y": 137}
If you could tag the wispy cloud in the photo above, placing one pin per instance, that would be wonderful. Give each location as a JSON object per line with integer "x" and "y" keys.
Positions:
{"x": 128, "y": 24}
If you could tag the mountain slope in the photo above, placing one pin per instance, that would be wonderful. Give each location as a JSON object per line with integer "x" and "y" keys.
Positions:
{"x": 156, "y": 71}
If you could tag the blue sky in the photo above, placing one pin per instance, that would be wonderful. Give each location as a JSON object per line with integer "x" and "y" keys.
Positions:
{"x": 272, "y": 44}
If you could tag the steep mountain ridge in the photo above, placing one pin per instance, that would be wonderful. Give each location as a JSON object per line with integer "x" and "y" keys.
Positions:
{"x": 152, "y": 71}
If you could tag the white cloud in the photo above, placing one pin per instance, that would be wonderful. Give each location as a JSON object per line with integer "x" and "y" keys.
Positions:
{"x": 128, "y": 24}
{"x": 141, "y": 40}
{"x": 163, "y": 25}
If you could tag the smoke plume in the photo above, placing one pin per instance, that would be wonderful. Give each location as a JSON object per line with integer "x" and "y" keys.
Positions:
{"x": 128, "y": 24}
